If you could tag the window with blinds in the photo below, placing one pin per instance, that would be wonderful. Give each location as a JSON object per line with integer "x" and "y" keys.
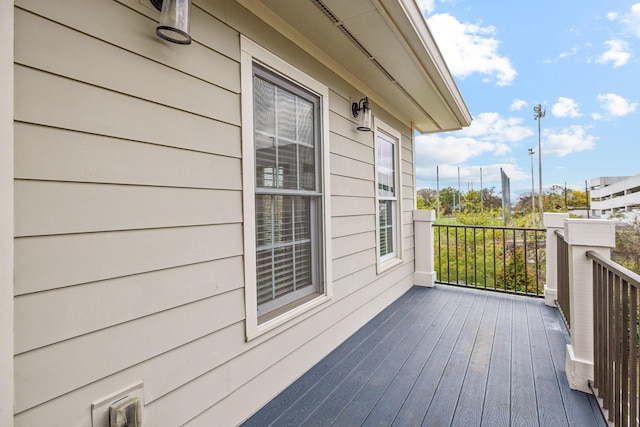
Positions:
{"x": 387, "y": 198}
{"x": 288, "y": 222}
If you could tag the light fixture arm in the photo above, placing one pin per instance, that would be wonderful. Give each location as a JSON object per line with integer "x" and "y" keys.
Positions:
{"x": 362, "y": 105}
{"x": 365, "y": 121}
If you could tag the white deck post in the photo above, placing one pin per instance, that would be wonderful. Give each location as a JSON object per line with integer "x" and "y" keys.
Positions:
{"x": 424, "y": 274}
{"x": 583, "y": 235}
{"x": 552, "y": 222}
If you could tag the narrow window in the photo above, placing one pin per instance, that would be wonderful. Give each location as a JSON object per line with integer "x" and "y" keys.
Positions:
{"x": 288, "y": 197}
{"x": 287, "y": 213}
{"x": 387, "y": 194}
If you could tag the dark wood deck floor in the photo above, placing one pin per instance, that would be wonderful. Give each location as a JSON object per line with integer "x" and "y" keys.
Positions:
{"x": 438, "y": 357}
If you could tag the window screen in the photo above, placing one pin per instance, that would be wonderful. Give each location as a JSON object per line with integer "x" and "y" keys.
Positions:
{"x": 387, "y": 199}
{"x": 288, "y": 197}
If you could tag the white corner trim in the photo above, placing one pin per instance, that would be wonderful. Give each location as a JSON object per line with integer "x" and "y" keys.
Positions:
{"x": 6, "y": 212}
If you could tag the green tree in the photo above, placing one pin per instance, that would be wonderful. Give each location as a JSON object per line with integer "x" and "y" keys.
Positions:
{"x": 490, "y": 200}
{"x": 513, "y": 274}
{"x": 627, "y": 251}
{"x": 427, "y": 198}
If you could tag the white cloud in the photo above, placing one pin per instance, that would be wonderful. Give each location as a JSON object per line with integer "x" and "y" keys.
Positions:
{"x": 434, "y": 149}
{"x": 632, "y": 20}
{"x": 489, "y": 134}
{"x": 565, "y": 107}
{"x": 596, "y": 116}
{"x": 617, "y": 52}
{"x": 470, "y": 48}
{"x": 567, "y": 141}
{"x": 426, "y": 6}
{"x": 495, "y": 128}
{"x": 518, "y": 104}
{"x": 616, "y": 105}
{"x": 448, "y": 175}
{"x": 574, "y": 50}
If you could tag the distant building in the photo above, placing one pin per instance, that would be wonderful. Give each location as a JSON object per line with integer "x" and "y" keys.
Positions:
{"x": 615, "y": 196}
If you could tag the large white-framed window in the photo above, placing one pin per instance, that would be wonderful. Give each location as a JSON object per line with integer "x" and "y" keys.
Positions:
{"x": 285, "y": 190}
{"x": 388, "y": 195}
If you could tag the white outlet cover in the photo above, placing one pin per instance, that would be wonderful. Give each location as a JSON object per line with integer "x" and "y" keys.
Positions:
{"x": 100, "y": 408}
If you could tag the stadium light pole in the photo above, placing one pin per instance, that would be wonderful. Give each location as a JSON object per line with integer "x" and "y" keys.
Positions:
{"x": 538, "y": 114}
{"x": 533, "y": 198}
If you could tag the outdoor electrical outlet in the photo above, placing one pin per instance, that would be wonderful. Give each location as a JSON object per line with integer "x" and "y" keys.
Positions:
{"x": 126, "y": 413}
{"x": 120, "y": 409}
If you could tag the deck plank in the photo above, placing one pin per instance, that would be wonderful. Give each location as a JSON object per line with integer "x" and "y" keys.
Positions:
{"x": 390, "y": 403}
{"x": 497, "y": 405}
{"x": 548, "y": 397}
{"x": 577, "y": 407}
{"x": 442, "y": 356}
{"x": 358, "y": 408}
{"x": 335, "y": 402}
{"x": 288, "y": 398}
{"x": 415, "y": 407}
{"x": 468, "y": 411}
{"x": 442, "y": 406}
{"x": 524, "y": 410}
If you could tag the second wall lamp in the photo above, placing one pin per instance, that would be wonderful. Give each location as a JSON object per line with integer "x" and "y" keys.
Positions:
{"x": 361, "y": 109}
{"x": 175, "y": 20}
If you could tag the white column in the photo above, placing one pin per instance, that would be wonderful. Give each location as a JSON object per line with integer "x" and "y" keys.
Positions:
{"x": 424, "y": 274}
{"x": 552, "y": 222}
{"x": 6, "y": 213}
{"x": 583, "y": 235}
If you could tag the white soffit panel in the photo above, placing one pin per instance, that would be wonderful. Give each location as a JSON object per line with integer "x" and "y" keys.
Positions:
{"x": 360, "y": 37}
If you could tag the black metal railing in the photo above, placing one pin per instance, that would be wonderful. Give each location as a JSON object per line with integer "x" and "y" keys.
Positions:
{"x": 615, "y": 323}
{"x": 563, "y": 301}
{"x": 502, "y": 259}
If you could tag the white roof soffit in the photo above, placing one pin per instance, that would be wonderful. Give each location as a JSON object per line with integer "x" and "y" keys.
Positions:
{"x": 382, "y": 47}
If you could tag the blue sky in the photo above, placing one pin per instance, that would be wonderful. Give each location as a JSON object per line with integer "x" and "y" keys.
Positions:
{"x": 579, "y": 59}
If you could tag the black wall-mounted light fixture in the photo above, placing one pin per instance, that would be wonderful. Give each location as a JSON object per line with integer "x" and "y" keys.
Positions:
{"x": 175, "y": 20}
{"x": 361, "y": 111}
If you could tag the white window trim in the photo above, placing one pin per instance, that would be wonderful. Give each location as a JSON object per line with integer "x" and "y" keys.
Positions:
{"x": 387, "y": 262}
{"x": 250, "y": 54}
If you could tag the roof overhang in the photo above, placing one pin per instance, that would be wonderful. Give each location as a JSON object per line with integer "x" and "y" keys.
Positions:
{"x": 381, "y": 47}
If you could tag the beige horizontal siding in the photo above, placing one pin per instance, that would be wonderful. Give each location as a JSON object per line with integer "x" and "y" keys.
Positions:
{"x": 123, "y": 71}
{"x": 353, "y": 262}
{"x": 45, "y": 207}
{"x": 74, "y": 363}
{"x": 346, "y": 186}
{"x": 350, "y": 206}
{"x": 344, "y": 246}
{"x": 51, "y": 262}
{"x": 55, "y": 101}
{"x": 162, "y": 374}
{"x": 351, "y": 149}
{"x": 115, "y": 24}
{"x": 347, "y": 225}
{"x": 345, "y": 166}
{"x": 56, "y": 154}
{"x": 45, "y": 318}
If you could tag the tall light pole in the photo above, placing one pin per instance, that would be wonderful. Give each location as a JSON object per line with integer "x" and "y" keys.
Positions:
{"x": 538, "y": 113}
{"x": 533, "y": 199}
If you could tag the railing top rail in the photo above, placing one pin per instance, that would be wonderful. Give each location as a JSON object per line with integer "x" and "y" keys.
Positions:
{"x": 559, "y": 233}
{"x": 626, "y": 274}
{"x": 489, "y": 227}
